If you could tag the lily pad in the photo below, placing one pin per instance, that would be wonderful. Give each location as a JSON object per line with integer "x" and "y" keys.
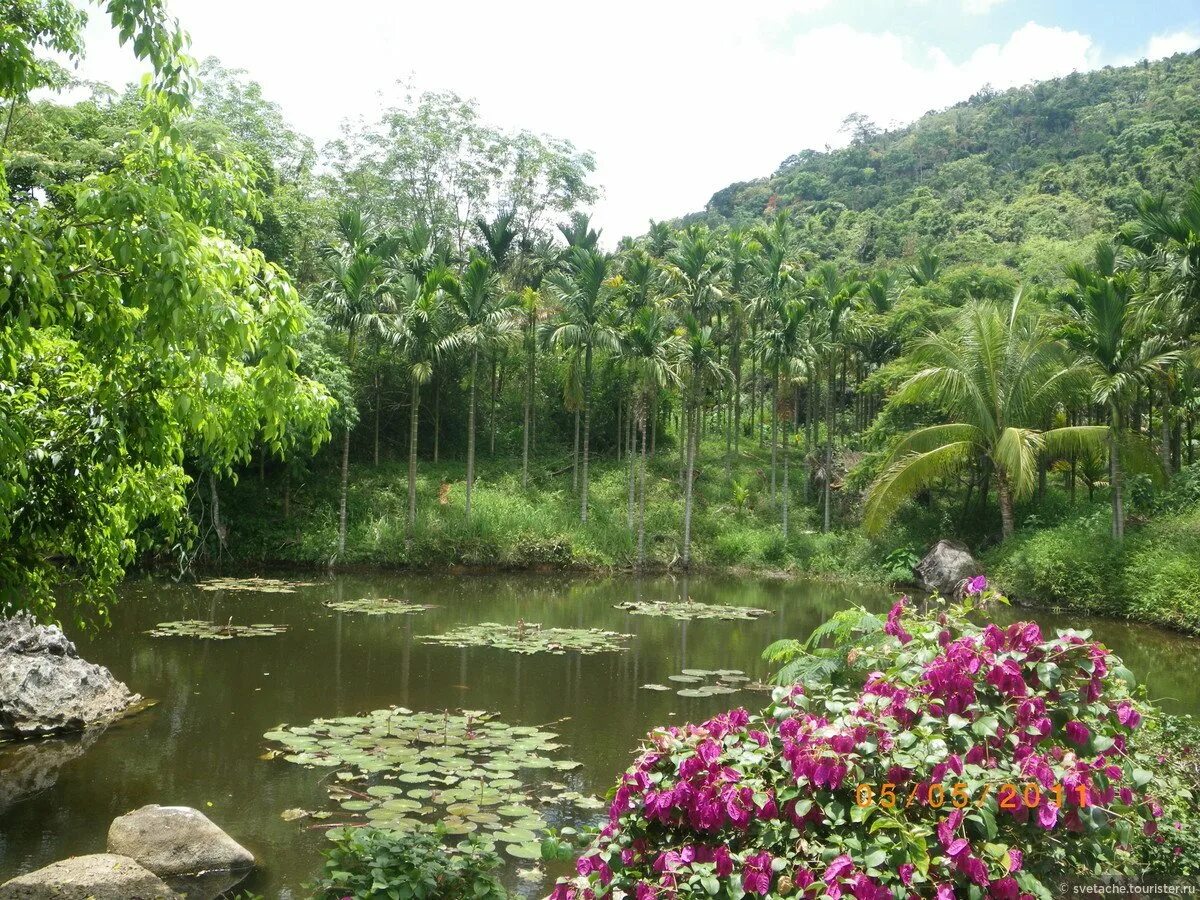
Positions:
{"x": 531, "y": 637}
{"x": 377, "y": 606}
{"x": 690, "y": 609}
{"x": 215, "y": 631}
{"x": 252, "y": 585}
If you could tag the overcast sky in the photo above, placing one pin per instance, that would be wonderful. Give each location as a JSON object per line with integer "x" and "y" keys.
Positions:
{"x": 676, "y": 98}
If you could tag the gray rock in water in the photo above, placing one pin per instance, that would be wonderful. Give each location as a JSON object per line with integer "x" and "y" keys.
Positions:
{"x": 45, "y": 688}
{"x": 176, "y": 840}
{"x": 101, "y": 876}
{"x": 946, "y": 568}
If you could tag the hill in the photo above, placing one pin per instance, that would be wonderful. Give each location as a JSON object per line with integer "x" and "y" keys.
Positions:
{"x": 1025, "y": 178}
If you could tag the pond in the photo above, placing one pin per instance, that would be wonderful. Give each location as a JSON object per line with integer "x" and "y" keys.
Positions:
{"x": 202, "y": 745}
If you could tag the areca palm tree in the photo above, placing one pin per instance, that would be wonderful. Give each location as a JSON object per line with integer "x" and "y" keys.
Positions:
{"x": 357, "y": 300}
{"x": 1105, "y": 330}
{"x": 420, "y": 325}
{"x": 699, "y": 359}
{"x": 484, "y": 319}
{"x": 995, "y": 376}
{"x": 833, "y": 299}
{"x": 652, "y": 352}
{"x": 784, "y": 341}
{"x": 585, "y": 296}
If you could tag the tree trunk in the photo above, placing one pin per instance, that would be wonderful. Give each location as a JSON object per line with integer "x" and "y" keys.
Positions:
{"x": 525, "y": 429}
{"x": 287, "y": 494}
{"x": 641, "y": 540}
{"x": 632, "y": 459}
{"x": 587, "y": 430}
{"x": 620, "y": 423}
{"x": 828, "y": 490}
{"x": 1165, "y": 432}
{"x": 492, "y": 411}
{"x": 437, "y": 418}
{"x": 1114, "y": 476}
{"x": 786, "y": 454}
{"x": 687, "y": 492}
{"x": 376, "y": 418}
{"x": 344, "y": 489}
{"x": 412, "y": 456}
{"x": 774, "y": 427}
{"x": 575, "y": 455}
{"x": 218, "y": 525}
{"x": 471, "y": 431}
{"x": 1007, "y": 522}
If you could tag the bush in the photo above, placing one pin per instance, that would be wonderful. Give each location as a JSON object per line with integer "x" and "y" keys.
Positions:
{"x": 838, "y": 791}
{"x": 371, "y": 862}
{"x": 1159, "y": 578}
{"x": 1076, "y": 565}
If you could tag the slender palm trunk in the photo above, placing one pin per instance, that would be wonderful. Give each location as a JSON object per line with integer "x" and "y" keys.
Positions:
{"x": 632, "y": 466}
{"x": 828, "y": 480}
{"x": 575, "y": 455}
{"x": 529, "y": 374}
{"x": 492, "y": 410}
{"x": 641, "y": 539}
{"x": 786, "y": 454}
{"x": 774, "y": 427}
{"x": 1114, "y": 475}
{"x": 1165, "y": 432}
{"x": 687, "y": 493}
{"x": 345, "y": 486}
{"x": 377, "y": 418}
{"x": 412, "y": 456}
{"x": 218, "y": 525}
{"x": 587, "y": 430}
{"x": 437, "y": 419}
{"x": 471, "y": 431}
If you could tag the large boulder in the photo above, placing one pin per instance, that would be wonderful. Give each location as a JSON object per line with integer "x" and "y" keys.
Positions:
{"x": 45, "y": 688}
{"x": 946, "y": 568}
{"x": 101, "y": 876}
{"x": 176, "y": 840}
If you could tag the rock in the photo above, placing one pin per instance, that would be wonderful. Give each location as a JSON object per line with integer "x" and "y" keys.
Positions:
{"x": 176, "y": 840}
{"x": 45, "y": 688}
{"x": 31, "y": 767}
{"x": 946, "y": 567}
{"x": 101, "y": 876}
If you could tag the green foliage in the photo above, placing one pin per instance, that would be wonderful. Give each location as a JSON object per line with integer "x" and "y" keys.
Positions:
{"x": 365, "y": 863}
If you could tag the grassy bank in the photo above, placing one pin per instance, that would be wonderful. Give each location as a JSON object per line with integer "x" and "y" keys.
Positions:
{"x": 734, "y": 524}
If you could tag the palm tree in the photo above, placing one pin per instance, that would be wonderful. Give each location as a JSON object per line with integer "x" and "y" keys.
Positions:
{"x": 993, "y": 376}
{"x": 652, "y": 352}
{"x": 777, "y": 272}
{"x": 1105, "y": 330}
{"x": 585, "y": 296}
{"x": 355, "y": 295}
{"x": 483, "y": 321}
{"x": 420, "y": 325}
{"x": 926, "y": 268}
{"x": 579, "y": 233}
{"x": 783, "y": 340}
{"x": 740, "y": 253}
{"x": 833, "y": 300}
{"x": 699, "y": 358}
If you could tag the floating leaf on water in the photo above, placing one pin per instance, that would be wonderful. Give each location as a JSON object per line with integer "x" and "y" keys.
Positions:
{"x": 524, "y": 851}
{"x": 655, "y": 687}
{"x": 689, "y": 609}
{"x": 254, "y": 585}
{"x": 686, "y": 679}
{"x": 291, "y": 815}
{"x": 531, "y": 637}
{"x": 377, "y": 606}
{"x": 216, "y": 631}
{"x": 533, "y": 875}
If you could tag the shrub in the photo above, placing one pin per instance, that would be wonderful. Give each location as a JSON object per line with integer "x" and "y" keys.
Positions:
{"x": 836, "y": 791}
{"x": 1159, "y": 578}
{"x": 1076, "y": 565}
{"x": 372, "y": 862}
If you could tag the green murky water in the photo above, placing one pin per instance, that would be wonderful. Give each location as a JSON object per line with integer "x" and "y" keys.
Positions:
{"x": 200, "y": 746}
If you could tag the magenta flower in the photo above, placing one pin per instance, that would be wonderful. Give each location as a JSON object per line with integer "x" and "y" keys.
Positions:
{"x": 976, "y": 585}
{"x": 839, "y": 867}
{"x": 756, "y": 874}
{"x": 1077, "y": 732}
{"x": 905, "y": 871}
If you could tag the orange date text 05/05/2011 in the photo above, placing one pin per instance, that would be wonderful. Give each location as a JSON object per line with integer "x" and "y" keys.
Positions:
{"x": 960, "y": 795}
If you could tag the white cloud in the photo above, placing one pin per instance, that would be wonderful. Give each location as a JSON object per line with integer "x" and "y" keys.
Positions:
{"x": 676, "y": 98}
{"x": 1169, "y": 44}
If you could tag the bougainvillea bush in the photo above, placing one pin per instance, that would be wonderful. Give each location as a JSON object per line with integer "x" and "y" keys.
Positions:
{"x": 897, "y": 787}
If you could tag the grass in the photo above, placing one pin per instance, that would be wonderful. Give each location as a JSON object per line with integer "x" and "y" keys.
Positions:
{"x": 540, "y": 527}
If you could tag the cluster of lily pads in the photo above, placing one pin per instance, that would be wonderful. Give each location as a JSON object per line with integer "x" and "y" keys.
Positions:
{"x": 531, "y": 637}
{"x": 377, "y": 606}
{"x": 708, "y": 682}
{"x": 214, "y": 631}
{"x": 689, "y": 609}
{"x": 255, "y": 585}
{"x": 406, "y": 771}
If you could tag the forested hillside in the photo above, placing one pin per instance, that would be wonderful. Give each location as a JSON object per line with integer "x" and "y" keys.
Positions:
{"x": 1025, "y": 178}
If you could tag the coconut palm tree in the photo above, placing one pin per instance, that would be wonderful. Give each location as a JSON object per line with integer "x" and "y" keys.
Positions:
{"x": 585, "y": 296}
{"x": 994, "y": 376}
{"x": 356, "y": 298}
{"x": 1105, "y": 328}
{"x": 420, "y": 325}
{"x": 483, "y": 321}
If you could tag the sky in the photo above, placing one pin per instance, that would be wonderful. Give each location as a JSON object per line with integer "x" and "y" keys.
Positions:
{"x": 676, "y": 98}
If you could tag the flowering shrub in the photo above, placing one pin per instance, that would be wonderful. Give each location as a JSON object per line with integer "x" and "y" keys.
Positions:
{"x": 949, "y": 715}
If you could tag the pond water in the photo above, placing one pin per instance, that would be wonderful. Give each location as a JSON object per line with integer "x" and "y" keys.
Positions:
{"x": 201, "y": 745}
